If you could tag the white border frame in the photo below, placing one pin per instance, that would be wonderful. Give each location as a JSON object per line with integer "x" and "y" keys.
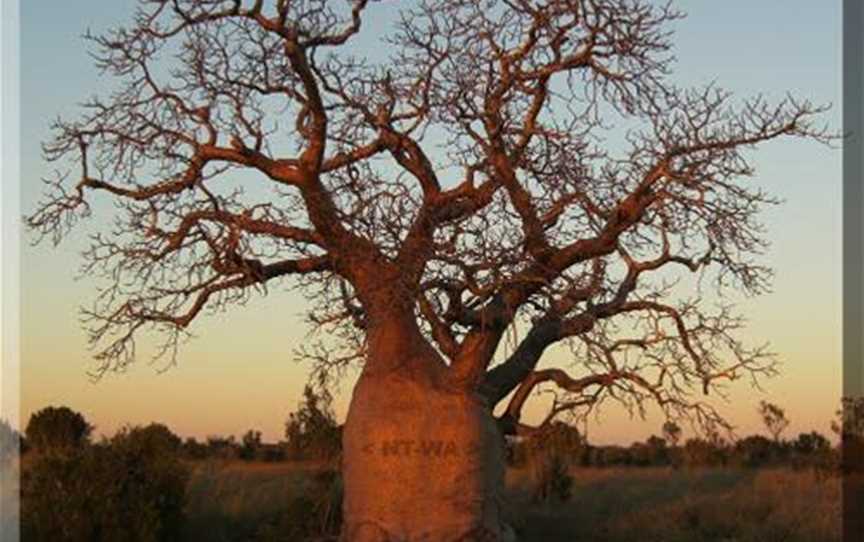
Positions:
{"x": 10, "y": 240}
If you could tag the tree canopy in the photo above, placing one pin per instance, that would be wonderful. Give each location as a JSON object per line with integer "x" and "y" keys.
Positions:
{"x": 59, "y": 429}
{"x": 507, "y": 168}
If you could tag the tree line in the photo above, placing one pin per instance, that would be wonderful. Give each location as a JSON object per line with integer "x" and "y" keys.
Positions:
{"x": 312, "y": 433}
{"x": 811, "y": 448}
{"x": 132, "y": 485}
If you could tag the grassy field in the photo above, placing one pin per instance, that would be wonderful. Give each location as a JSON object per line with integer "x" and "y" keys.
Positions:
{"x": 260, "y": 502}
{"x": 253, "y": 502}
{"x": 706, "y": 505}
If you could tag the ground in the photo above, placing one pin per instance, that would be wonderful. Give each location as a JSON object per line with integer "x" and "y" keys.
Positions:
{"x": 252, "y": 501}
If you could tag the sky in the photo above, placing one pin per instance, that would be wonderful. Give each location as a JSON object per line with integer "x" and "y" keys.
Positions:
{"x": 240, "y": 373}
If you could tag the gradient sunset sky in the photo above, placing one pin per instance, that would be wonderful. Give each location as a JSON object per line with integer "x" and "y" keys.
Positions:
{"x": 239, "y": 372}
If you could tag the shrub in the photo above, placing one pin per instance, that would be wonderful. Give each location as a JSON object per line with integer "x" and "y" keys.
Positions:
{"x": 224, "y": 448}
{"x": 57, "y": 429}
{"x": 250, "y": 445}
{"x": 554, "y": 481}
{"x": 550, "y": 454}
{"x": 774, "y": 419}
{"x": 131, "y": 488}
{"x": 312, "y": 431}
{"x": 271, "y": 452}
{"x": 698, "y": 452}
{"x": 756, "y": 451}
{"x": 194, "y": 450}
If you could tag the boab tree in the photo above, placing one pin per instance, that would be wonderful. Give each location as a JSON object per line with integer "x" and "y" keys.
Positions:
{"x": 460, "y": 188}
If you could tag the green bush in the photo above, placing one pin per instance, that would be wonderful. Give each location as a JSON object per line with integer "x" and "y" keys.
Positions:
{"x": 57, "y": 429}
{"x": 131, "y": 489}
{"x": 312, "y": 432}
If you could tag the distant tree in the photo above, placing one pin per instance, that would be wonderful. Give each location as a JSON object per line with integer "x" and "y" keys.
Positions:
{"x": 250, "y": 445}
{"x": 813, "y": 450}
{"x": 698, "y": 452}
{"x": 154, "y": 439}
{"x": 272, "y": 452}
{"x": 657, "y": 450}
{"x": 756, "y": 451}
{"x": 774, "y": 419}
{"x": 192, "y": 449}
{"x": 559, "y": 437}
{"x": 640, "y": 455}
{"x": 651, "y": 452}
{"x": 58, "y": 429}
{"x": 312, "y": 431}
{"x": 811, "y": 443}
{"x": 222, "y": 447}
{"x": 612, "y": 455}
{"x": 671, "y": 433}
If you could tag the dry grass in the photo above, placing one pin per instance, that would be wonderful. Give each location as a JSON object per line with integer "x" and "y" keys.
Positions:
{"x": 664, "y": 505}
{"x": 227, "y": 500}
{"x": 234, "y": 501}
{"x": 250, "y": 502}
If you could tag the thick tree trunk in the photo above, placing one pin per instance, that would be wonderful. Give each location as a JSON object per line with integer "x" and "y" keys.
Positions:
{"x": 422, "y": 460}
